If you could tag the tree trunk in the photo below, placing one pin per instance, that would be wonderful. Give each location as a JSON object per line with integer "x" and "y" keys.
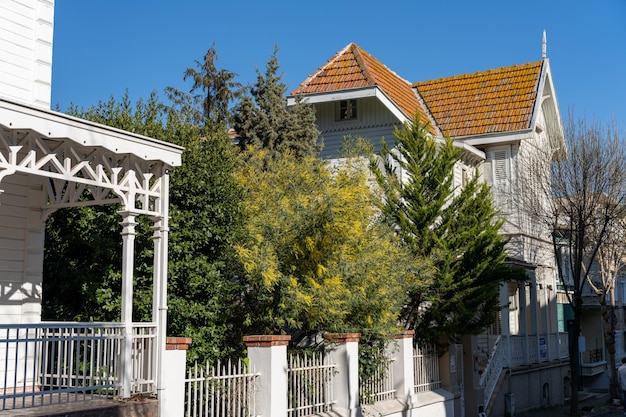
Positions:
{"x": 574, "y": 356}
{"x": 608, "y": 317}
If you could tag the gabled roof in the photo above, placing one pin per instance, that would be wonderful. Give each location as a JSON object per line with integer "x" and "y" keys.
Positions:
{"x": 493, "y": 101}
{"x": 353, "y": 68}
{"x": 497, "y": 100}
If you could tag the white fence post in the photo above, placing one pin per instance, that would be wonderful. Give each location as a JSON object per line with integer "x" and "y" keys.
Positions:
{"x": 345, "y": 354}
{"x": 267, "y": 357}
{"x": 172, "y": 396}
{"x": 403, "y": 373}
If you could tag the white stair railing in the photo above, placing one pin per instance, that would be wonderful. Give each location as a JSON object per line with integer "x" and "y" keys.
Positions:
{"x": 491, "y": 374}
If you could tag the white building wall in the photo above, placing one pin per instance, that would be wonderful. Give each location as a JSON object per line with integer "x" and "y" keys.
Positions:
{"x": 22, "y": 234}
{"x": 21, "y": 249}
{"x": 374, "y": 122}
{"x": 26, "y": 51}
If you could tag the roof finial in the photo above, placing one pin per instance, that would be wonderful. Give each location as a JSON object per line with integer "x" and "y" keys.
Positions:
{"x": 543, "y": 45}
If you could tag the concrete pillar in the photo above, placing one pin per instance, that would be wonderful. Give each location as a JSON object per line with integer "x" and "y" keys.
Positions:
{"x": 172, "y": 392}
{"x": 344, "y": 353}
{"x": 402, "y": 366}
{"x": 267, "y": 356}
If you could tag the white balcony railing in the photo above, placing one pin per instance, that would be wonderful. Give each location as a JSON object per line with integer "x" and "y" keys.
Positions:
{"x": 51, "y": 363}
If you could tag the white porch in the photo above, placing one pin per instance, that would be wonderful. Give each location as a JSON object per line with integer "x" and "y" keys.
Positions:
{"x": 48, "y": 161}
{"x": 527, "y": 341}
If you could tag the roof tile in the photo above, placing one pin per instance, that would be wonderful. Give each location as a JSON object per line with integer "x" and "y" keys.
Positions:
{"x": 352, "y": 68}
{"x": 496, "y": 100}
{"x": 492, "y": 101}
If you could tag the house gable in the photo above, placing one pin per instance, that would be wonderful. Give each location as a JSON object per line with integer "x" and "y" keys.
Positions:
{"x": 353, "y": 71}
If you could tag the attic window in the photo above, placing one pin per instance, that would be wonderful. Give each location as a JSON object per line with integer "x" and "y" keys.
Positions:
{"x": 347, "y": 110}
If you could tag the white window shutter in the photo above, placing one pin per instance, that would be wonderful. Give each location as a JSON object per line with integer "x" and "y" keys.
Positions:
{"x": 501, "y": 176}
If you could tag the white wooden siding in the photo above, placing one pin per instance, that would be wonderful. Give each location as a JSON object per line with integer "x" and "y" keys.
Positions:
{"x": 21, "y": 249}
{"x": 26, "y": 50}
{"x": 374, "y": 122}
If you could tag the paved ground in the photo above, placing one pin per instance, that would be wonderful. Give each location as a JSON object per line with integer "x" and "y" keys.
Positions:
{"x": 596, "y": 406}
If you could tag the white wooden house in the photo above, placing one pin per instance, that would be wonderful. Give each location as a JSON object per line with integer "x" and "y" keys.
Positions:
{"x": 499, "y": 117}
{"x": 49, "y": 161}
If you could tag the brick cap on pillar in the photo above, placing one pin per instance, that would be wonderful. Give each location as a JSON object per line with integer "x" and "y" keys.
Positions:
{"x": 405, "y": 334}
{"x": 266, "y": 340}
{"x": 342, "y": 337}
{"x": 177, "y": 343}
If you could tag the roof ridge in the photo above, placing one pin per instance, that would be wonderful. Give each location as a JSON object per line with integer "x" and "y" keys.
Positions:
{"x": 321, "y": 69}
{"x": 357, "y": 51}
{"x": 395, "y": 74}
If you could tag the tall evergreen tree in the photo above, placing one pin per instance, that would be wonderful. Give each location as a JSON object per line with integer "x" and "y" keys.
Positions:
{"x": 456, "y": 228}
{"x": 262, "y": 119}
{"x": 213, "y": 88}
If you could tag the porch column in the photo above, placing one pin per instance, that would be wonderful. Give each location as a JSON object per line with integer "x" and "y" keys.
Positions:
{"x": 157, "y": 239}
{"x": 547, "y": 320}
{"x": 523, "y": 317}
{"x": 159, "y": 314}
{"x": 505, "y": 319}
{"x": 156, "y": 267}
{"x": 534, "y": 314}
{"x": 128, "y": 253}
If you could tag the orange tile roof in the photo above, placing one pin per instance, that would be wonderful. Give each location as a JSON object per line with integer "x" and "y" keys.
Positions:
{"x": 497, "y": 100}
{"x": 353, "y": 68}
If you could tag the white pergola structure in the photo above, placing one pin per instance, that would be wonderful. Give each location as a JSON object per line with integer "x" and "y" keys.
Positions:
{"x": 49, "y": 161}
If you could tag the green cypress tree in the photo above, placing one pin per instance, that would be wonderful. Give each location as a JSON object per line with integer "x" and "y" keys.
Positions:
{"x": 455, "y": 228}
{"x": 262, "y": 119}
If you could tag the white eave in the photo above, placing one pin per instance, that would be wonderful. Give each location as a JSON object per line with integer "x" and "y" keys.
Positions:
{"x": 496, "y": 138}
{"x": 331, "y": 96}
{"x": 470, "y": 149}
{"x": 51, "y": 124}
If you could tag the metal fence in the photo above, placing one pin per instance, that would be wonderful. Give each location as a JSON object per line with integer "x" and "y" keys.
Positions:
{"x": 220, "y": 391}
{"x": 52, "y": 363}
{"x": 378, "y": 385}
{"x": 310, "y": 383}
{"x": 426, "y": 369}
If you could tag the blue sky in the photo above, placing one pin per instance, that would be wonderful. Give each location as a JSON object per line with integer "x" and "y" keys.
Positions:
{"x": 103, "y": 48}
